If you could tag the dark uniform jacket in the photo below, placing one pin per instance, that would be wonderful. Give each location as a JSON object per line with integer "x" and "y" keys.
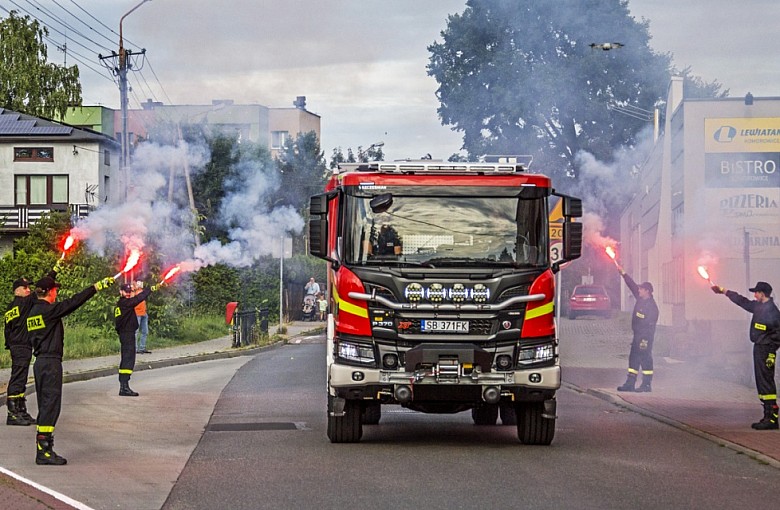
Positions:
{"x": 16, "y": 321}
{"x": 44, "y": 323}
{"x": 765, "y": 325}
{"x": 645, "y": 314}
{"x": 124, "y": 312}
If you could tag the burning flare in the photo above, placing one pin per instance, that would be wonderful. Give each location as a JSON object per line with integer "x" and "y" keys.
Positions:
{"x": 170, "y": 274}
{"x": 69, "y": 242}
{"x": 704, "y": 274}
{"x": 610, "y": 251}
{"x": 132, "y": 260}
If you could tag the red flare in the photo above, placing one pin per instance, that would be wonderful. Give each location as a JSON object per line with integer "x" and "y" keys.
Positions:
{"x": 704, "y": 274}
{"x": 610, "y": 251}
{"x": 171, "y": 273}
{"x": 132, "y": 260}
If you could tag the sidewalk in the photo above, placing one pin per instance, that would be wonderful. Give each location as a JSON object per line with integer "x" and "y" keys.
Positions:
{"x": 188, "y": 412}
{"x": 686, "y": 395}
{"x": 83, "y": 369}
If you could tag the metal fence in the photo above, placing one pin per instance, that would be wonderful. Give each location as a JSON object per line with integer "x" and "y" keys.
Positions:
{"x": 246, "y": 323}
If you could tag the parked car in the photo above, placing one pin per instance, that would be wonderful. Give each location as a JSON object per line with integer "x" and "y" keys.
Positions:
{"x": 589, "y": 300}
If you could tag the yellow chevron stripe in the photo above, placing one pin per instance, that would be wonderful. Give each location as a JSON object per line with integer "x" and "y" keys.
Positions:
{"x": 345, "y": 306}
{"x": 538, "y": 312}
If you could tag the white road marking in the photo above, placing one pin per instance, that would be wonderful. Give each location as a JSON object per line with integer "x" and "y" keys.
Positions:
{"x": 50, "y": 492}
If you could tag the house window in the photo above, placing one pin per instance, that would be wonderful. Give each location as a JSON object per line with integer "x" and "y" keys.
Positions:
{"x": 279, "y": 138}
{"x": 33, "y": 153}
{"x": 41, "y": 189}
{"x": 107, "y": 157}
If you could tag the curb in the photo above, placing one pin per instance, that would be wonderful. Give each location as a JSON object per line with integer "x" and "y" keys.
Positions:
{"x": 619, "y": 402}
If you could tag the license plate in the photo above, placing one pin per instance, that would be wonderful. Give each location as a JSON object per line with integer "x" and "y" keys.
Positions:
{"x": 435, "y": 326}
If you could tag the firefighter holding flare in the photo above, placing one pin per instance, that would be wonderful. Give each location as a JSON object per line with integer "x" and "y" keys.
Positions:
{"x": 643, "y": 322}
{"x": 765, "y": 335}
{"x": 47, "y": 334}
{"x": 126, "y": 325}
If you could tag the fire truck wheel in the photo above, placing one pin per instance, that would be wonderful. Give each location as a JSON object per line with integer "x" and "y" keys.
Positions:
{"x": 508, "y": 414}
{"x": 372, "y": 412}
{"x": 347, "y": 428}
{"x": 532, "y": 427}
{"x": 485, "y": 414}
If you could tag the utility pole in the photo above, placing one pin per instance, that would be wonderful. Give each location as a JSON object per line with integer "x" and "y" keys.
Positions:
{"x": 121, "y": 63}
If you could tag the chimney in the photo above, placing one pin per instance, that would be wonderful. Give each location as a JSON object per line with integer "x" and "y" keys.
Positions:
{"x": 300, "y": 102}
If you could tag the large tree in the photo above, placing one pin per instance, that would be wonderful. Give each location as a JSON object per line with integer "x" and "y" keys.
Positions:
{"x": 303, "y": 169}
{"x": 529, "y": 77}
{"x": 28, "y": 83}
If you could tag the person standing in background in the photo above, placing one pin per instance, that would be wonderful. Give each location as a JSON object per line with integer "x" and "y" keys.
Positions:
{"x": 143, "y": 322}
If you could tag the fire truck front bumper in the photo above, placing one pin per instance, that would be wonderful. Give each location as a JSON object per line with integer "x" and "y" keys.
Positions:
{"x": 446, "y": 380}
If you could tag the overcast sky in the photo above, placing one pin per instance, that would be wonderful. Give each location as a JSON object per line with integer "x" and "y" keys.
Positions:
{"x": 361, "y": 63}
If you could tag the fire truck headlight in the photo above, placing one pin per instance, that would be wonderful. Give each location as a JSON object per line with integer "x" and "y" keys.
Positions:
{"x": 436, "y": 293}
{"x": 414, "y": 292}
{"x": 355, "y": 352}
{"x": 536, "y": 354}
{"x": 480, "y": 294}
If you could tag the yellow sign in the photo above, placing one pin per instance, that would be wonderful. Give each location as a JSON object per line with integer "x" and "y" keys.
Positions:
{"x": 556, "y": 221}
{"x": 742, "y": 135}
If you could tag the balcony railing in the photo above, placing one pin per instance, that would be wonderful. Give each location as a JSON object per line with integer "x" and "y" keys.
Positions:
{"x": 19, "y": 218}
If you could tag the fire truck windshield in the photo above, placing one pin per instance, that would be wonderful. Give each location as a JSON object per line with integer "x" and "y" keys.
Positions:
{"x": 446, "y": 231}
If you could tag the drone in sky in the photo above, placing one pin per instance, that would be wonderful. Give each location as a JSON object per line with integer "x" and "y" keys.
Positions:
{"x": 606, "y": 46}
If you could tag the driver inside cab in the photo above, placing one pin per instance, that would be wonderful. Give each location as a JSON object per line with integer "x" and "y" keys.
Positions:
{"x": 388, "y": 243}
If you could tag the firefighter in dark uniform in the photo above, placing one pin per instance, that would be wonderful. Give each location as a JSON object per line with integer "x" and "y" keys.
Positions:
{"x": 17, "y": 341}
{"x": 765, "y": 335}
{"x": 388, "y": 242}
{"x": 643, "y": 321}
{"x": 47, "y": 335}
{"x": 126, "y": 325}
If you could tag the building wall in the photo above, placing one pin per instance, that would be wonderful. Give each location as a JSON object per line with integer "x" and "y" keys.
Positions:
{"x": 291, "y": 121}
{"x": 719, "y": 178}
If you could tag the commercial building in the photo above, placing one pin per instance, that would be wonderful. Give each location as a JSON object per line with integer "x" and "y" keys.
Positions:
{"x": 709, "y": 196}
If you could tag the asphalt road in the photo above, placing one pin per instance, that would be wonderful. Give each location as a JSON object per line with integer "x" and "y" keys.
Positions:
{"x": 266, "y": 447}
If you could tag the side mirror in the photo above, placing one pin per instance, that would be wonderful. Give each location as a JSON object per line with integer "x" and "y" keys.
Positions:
{"x": 318, "y": 226}
{"x": 572, "y": 240}
{"x": 381, "y": 203}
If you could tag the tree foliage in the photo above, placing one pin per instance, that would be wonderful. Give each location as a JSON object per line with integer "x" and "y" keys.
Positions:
{"x": 28, "y": 83}
{"x": 521, "y": 77}
{"x": 303, "y": 169}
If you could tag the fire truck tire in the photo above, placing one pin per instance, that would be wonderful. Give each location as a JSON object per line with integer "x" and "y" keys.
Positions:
{"x": 507, "y": 413}
{"x": 347, "y": 428}
{"x": 372, "y": 413}
{"x": 532, "y": 427}
{"x": 486, "y": 414}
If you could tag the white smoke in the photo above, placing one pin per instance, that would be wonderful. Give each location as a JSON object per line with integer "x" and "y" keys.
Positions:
{"x": 604, "y": 186}
{"x": 149, "y": 217}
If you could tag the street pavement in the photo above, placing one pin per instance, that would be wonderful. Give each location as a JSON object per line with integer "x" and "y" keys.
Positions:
{"x": 689, "y": 394}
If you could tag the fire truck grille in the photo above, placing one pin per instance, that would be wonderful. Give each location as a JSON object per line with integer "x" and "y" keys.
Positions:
{"x": 380, "y": 291}
{"x": 520, "y": 290}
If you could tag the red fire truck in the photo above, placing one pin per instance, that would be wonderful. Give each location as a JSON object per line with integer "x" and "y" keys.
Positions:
{"x": 441, "y": 291}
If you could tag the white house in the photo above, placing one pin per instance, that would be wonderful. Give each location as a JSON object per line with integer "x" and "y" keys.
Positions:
{"x": 48, "y": 166}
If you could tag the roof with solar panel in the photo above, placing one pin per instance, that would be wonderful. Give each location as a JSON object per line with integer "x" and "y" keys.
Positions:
{"x": 22, "y": 127}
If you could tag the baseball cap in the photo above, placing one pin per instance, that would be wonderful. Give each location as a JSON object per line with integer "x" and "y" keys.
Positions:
{"x": 762, "y": 287}
{"x": 46, "y": 283}
{"x": 126, "y": 287}
{"x": 647, "y": 286}
{"x": 21, "y": 282}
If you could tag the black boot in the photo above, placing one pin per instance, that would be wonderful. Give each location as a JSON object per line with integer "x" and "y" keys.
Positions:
{"x": 629, "y": 384}
{"x": 769, "y": 421}
{"x": 125, "y": 391}
{"x": 15, "y": 417}
{"x": 45, "y": 454}
{"x": 23, "y": 410}
{"x": 645, "y": 386}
